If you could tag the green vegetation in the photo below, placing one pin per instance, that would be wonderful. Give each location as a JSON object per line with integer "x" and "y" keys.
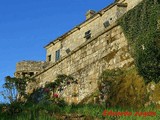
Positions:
{"x": 125, "y": 88}
{"x": 141, "y": 27}
{"x": 42, "y": 105}
{"x": 14, "y": 86}
{"x": 89, "y": 111}
{"x": 49, "y": 92}
{"x": 9, "y": 90}
{"x": 122, "y": 90}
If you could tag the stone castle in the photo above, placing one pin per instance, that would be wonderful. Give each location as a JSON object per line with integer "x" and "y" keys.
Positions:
{"x": 83, "y": 52}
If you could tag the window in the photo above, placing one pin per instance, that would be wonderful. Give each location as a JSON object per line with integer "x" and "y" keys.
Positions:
{"x": 49, "y": 58}
{"x": 68, "y": 51}
{"x": 57, "y": 55}
{"x": 106, "y": 24}
{"x": 87, "y": 34}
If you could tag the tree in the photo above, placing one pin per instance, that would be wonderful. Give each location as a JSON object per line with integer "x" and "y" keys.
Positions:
{"x": 10, "y": 92}
{"x": 15, "y": 88}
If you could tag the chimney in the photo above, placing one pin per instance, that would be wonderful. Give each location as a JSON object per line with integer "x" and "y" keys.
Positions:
{"x": 119, "y": 1}
{"x": 90, "y": 13}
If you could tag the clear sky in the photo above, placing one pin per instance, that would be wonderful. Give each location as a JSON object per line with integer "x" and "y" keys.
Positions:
{"x": 26, "y": 26}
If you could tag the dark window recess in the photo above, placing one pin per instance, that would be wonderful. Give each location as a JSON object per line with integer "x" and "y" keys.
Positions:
{"x": 49, "y": 58}
{"x": 31, "y": 73}
{"x": 87, "y": 34}
{"x": 106, "y": 24}
{"x": 68, "y": 51}
{"x": 57, "y": 55}
{"x": 18, "y": 74}
{"x": 24, "y": 74}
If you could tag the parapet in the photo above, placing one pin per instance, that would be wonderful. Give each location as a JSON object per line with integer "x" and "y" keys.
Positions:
{"x": 29, "y": 68}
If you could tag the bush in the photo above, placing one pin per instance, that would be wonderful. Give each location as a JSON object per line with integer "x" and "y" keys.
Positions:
{"x": 124, "y": 88}
{"x": 154, "y": 94}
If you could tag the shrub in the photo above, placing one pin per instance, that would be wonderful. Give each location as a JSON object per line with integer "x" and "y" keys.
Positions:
{"x": 123, "y": 88}
{"x": 154, "y": 94}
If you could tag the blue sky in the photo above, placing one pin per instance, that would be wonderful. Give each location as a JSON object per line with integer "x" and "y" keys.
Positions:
{"x": 26, "y": 26}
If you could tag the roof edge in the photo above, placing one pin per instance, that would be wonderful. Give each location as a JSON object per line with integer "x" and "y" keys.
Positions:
{"x": 78, "y": 26}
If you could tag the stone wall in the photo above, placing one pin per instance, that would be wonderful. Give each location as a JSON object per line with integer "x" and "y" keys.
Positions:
{"x": 95, "y": 24}
{"x": 76, "y": 36}
{"x": 29, "y": 68}
{"x": 107, "y": 50}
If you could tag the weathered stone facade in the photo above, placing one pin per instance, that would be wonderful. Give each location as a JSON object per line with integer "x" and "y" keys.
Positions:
{"x": 85, "y": 58}
{"x": 108, "y": 50}
{"x": 29, "y": 68}
{"x": 95, "y": 24}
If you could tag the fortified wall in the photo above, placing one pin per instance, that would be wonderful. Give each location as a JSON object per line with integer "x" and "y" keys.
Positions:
{"x": 95, "y": 23}
{"x": 29, "y": 68}
{"x": 108, "y": 50}
{"x": 85, "y": 51}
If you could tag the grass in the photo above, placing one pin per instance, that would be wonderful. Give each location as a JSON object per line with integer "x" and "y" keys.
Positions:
{"x": 89, "y": 111}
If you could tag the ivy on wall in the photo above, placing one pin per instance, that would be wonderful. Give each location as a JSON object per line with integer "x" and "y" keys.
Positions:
{"x": 141, "y": 27}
